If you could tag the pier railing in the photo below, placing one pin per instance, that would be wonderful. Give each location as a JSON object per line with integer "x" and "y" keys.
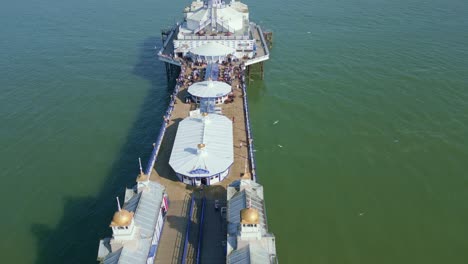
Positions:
{"x": 264, "y": 46}
{"x": 166, "y": 57}
{"x": 257, "y": 59}
{"x": 264, "y": 43}
{"x": 170, "y": 37}
{"x": 187, "y": 231}
{"x": 249, "y": 129}
{"x": 155, "y": 244}
{"x": 213, "y": 37}
{"x": 200, "y": 232}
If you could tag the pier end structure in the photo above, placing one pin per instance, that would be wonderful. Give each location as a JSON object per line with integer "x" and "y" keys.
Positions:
{"x": 212, "y": 31}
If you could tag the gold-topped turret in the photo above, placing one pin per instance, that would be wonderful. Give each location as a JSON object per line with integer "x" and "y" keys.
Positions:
{"x": 142, "y": 176}
{"x": 249, "y": 216}
{"x": 122, "y": 218}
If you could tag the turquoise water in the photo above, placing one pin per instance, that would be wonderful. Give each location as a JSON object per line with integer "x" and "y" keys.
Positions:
{"x": 371, "y": 98}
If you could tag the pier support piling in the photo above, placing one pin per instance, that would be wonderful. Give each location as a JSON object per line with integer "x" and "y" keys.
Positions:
{"x": 261, "y": 70}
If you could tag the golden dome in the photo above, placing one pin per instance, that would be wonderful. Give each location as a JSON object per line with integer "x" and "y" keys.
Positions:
{"x": 249, "y": 216}
{"x": 122, "y": 218}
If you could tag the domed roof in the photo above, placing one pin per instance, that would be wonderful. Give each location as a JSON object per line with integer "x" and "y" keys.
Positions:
{"x": 122, "y": 218}
{"x": 249, "y": 216}
{"x": 209, "y": 89}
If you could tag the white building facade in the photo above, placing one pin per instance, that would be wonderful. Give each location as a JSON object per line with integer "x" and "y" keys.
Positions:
{"x": 213, "y": 30}
{"x": 203, "y": 149}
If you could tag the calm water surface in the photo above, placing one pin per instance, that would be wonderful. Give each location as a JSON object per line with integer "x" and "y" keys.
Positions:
{"x": 371, "y": 98}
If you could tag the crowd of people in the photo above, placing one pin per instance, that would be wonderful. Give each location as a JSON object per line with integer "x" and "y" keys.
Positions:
{"x": 226, "y": 74}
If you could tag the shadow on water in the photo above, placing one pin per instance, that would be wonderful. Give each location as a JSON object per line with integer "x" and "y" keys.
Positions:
{"x": 85, "y": 220}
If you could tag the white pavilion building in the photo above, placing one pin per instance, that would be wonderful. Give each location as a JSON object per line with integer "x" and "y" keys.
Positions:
{"x": 215, "y": 90}
{"x": 213, "y": 30}
{"x": 248, "y": 240}
{"x": 203, "y": 149}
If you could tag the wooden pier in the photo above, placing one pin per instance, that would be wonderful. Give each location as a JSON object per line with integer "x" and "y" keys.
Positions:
{"x": 171, "y": 245}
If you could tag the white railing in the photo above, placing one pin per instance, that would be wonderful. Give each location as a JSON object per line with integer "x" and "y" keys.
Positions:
{"x": 204, "y": 24}
{"x": 264, "y": 44}
{"x": 213, "y": 37}
{"x": 257, "y": 59}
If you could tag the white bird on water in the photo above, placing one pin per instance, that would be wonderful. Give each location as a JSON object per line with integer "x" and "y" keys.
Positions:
{"x": 276, "y": 122}
{"x": 280, "y": 146}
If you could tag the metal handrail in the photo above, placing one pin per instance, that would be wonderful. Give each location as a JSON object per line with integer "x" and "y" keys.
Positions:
{"x": 249, "y": 130}
{"x": 189, "y": 220}
{"x": 200, "y": 230}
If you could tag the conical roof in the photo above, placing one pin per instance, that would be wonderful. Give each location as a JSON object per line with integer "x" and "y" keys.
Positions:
{"x": 209, "y": 89}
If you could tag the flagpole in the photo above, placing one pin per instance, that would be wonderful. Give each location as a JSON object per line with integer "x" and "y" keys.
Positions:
{"x": 118, "y": 203}
{"x": 141, "y": 169}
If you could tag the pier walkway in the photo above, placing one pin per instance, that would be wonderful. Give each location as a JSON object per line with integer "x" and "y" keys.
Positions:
{"x": 171, "y": 245}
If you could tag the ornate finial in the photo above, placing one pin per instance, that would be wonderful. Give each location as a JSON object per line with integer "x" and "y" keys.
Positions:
{"x": 201, "y": 146}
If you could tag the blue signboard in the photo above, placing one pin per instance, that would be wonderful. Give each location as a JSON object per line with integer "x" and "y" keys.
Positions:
{"x": 199, "y": 171}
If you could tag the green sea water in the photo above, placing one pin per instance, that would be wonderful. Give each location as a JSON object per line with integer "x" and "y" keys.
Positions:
{"x": 368, "y": 162}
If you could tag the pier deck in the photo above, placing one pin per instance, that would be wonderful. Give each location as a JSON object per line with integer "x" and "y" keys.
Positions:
{"x": 258, "y": 40}
{"x": 171, "y": 245}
